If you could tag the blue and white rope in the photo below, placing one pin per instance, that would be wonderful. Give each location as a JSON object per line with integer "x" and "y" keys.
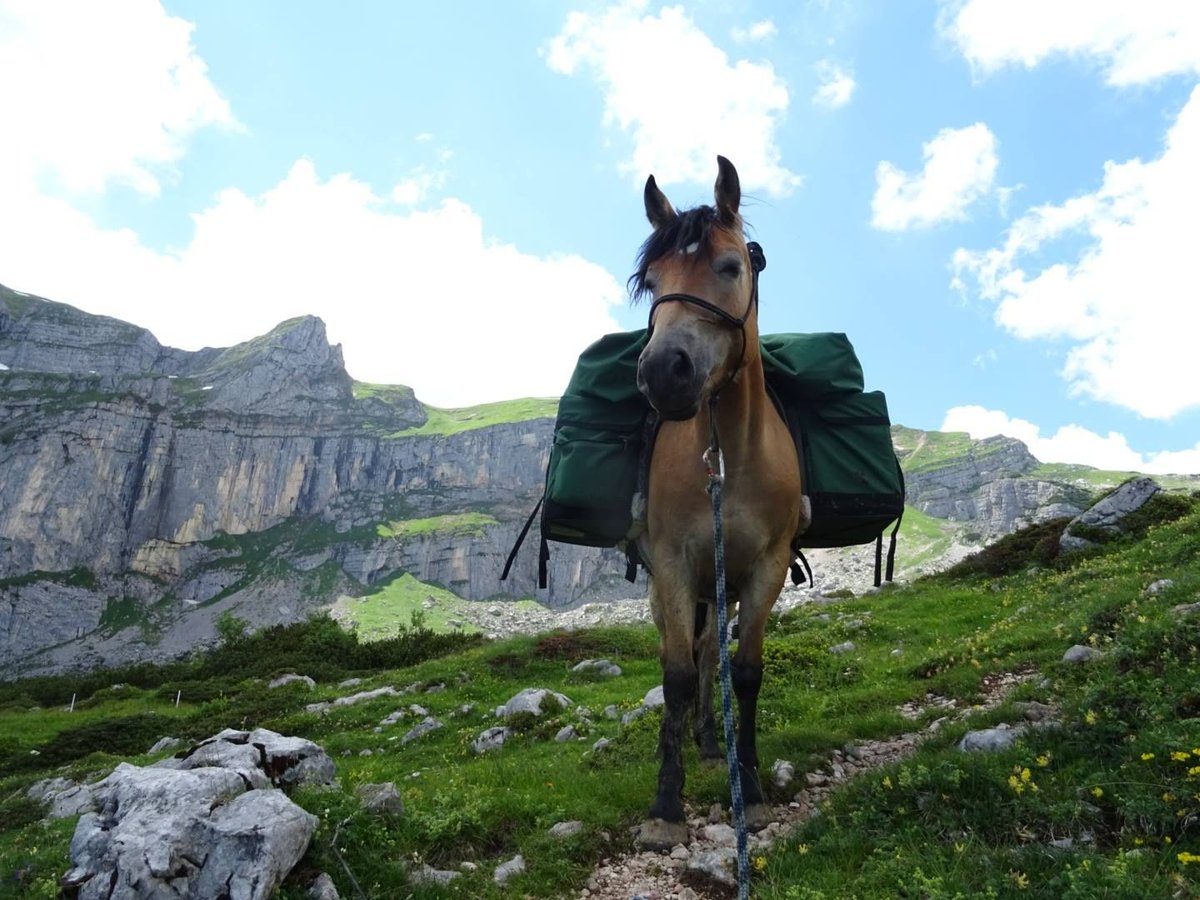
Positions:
{"x": 715, "y": 480}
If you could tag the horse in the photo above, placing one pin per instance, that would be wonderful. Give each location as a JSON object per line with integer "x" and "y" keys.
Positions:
{"x": 701, "y": 371}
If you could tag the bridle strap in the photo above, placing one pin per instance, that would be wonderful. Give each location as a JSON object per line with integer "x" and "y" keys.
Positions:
{"x": 758, "y": 262}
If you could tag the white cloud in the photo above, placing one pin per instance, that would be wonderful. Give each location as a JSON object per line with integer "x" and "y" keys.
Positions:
{"x": 759, "y": 31}
{"x": 678, "y": 96}
{"x": 111, "y": 96}
{"x": 835, "y": 87}
{"x": 1072, "y": 443}
{"x": 423, "y": 298}
{"x": 1135, "y": 42}
{"x": 960, "y": 168}
{"x": 417, "y": 186}
{"x": 94, "y": 97}
{"x": 1126, "y": 301}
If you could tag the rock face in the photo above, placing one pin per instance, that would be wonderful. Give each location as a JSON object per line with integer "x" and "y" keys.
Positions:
{"x": 989, "y": 486}
{"x": 256, "y": 478}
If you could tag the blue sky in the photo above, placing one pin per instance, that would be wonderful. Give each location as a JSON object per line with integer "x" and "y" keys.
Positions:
{"x": 995, "y": 199}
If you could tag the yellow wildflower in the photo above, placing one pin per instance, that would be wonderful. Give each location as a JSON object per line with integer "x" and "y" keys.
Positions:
{"x": 1146, "y": 757}
{"x": 802, "y": 849}
{"x": 1097, "y": 792}
{"x": 1020, "y": 880}
{"x": 1180, "y": 755}
{"x": 887, "y": 782}
{"x": 1043, "y": 760}
{"x": 1090, "y": 717}
{"x": 1187, "y": 858}
{"x": 760, "y": 863}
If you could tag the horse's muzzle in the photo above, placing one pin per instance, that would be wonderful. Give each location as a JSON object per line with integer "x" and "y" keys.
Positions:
{"x": 669, "y": 379}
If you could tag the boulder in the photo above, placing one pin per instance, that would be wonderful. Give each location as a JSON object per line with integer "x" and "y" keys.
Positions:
{"x": 491, "y": 739}
{"x": 988, "y": 740}
{"x": 261, "y": 757}
{"x": 1081, "y": 653}
{"x": 1104, "y": 518}
{"x": 538, "y": 701}
{"x": 507, "y": 870}
{"x": 601, "y": 667}
{"x": 380, "y": 798}
{"x": 160, "y": 832}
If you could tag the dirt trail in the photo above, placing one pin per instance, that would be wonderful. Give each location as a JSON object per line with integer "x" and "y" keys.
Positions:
{"x": 658, "y": 876}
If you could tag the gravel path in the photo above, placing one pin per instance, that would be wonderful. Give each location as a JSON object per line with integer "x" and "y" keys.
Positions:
{"x": 703, "y": 869}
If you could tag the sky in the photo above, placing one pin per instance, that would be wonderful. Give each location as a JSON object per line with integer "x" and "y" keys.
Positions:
{"x": 997, "y": 200}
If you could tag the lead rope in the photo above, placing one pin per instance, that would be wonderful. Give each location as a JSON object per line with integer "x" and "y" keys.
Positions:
{"x": 714, "y": 461}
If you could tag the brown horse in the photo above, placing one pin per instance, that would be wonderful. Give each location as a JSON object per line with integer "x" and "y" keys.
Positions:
{"x": 702, "y": 361}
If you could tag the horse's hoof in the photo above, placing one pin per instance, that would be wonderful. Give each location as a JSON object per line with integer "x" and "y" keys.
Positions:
{"x": 758, "y": 817}
{"x": 659, "y": 834}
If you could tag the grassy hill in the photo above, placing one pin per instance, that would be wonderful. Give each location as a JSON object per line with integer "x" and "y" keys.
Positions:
{"x": 1106, "y": 804}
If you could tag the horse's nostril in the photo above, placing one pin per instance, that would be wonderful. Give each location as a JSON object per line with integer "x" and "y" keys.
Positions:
{"x": 681, "y": 367}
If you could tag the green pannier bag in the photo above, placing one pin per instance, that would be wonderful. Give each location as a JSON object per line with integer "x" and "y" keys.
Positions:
{"x": 604, "y": 433}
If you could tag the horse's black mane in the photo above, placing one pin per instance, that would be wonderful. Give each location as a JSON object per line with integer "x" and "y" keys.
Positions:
{"x": 692, "y": 226}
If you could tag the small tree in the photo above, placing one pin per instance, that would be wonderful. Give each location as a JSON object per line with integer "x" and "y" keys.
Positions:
{"x": 231, "y": 628}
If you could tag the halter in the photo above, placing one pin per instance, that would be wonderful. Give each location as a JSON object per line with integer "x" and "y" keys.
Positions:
{"x": 758, "y": 262}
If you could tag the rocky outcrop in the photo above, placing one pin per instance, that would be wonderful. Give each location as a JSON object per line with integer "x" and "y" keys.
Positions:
{"x": 211, "y": 822}
{"x": 1102, "y": 521}
{"x": 990, "y": 486}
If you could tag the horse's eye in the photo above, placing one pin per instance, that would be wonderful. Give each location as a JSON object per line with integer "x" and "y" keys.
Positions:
{"x": 650, "y": 282}
{"x": 730, "y": 269}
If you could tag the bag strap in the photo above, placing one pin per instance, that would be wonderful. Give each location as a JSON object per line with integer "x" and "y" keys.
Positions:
{"x": 520, "y": 540}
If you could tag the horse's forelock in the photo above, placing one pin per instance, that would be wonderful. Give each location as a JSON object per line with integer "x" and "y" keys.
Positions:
{"x": 692, "y": 226}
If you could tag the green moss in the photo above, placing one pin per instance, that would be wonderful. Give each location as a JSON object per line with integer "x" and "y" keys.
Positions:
{"x": 120, "y": 613}
{"x": 78, "y": 577}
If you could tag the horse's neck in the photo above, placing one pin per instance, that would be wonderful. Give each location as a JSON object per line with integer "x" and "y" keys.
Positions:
{"x": 742, "y": 411}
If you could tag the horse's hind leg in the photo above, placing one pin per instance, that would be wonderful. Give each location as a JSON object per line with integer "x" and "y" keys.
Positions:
{"x": 703, "y": 722}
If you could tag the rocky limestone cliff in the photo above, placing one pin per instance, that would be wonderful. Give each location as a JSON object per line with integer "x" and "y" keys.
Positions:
{"x": 257, "y": 478}
{"x": 988, "y": 483}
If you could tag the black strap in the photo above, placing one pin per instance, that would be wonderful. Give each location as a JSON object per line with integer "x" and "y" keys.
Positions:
{"x": 891, "y": 557}
{"x": 632, "y": 560}
{"x": 543, "y": 562}
{"x": 521, "y": 539}
{"x": 798, "y": 572}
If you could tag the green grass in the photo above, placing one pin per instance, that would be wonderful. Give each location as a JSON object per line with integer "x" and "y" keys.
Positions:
{"x": 1123, "y": 767}
{"x": 922, "y": 451}
{"x": 450, "y": 525}
{"x": 393, "y": 606}
{"x": 922, "y": 538}
{"x": 446, "y": 422}
{"x": 394, "y": 394}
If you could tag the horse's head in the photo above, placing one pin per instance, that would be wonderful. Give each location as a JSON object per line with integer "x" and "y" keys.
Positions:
{"x": 698, "y": 270}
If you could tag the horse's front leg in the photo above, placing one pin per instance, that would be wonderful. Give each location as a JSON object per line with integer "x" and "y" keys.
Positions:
{"x": 674, "y": 615}
{"x": 704, "y": 727}
{"x": 746, "y": 669}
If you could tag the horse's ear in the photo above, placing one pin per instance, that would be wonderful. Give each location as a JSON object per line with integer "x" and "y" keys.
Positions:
{"x": 728, "y": 191}
{"x": 658, "y": 208}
